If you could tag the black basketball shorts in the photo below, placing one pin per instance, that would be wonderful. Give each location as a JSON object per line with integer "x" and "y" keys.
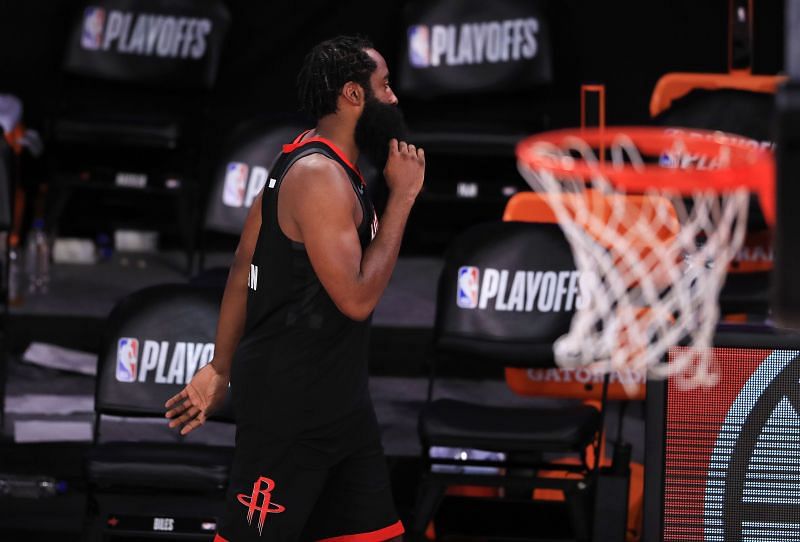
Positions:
{"x": 330, "y": 483}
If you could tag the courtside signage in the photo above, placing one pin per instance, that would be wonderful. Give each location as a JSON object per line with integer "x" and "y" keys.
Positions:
{"x": 465, "y": 46}
{"x": 145, "y": 34}
{"x": 162, "y": 42}
{"x": 521, "y": 290}
{"x": 160, "y": 362}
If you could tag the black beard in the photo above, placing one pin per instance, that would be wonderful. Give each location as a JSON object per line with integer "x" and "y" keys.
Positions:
{"x": 379, "y": 123}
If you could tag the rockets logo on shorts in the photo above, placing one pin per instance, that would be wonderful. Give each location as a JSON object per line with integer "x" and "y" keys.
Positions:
{"x": 235, "y": 184}
{"x": 94, "y": 19}
{"x": 467, "y": 296}
{"x": 418, "y": 46}
{"x": 127, "y": 359}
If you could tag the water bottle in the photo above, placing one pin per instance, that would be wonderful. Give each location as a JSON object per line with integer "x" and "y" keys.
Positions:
{"x": 14, "y": 271}
{"x": 37, "y": 255}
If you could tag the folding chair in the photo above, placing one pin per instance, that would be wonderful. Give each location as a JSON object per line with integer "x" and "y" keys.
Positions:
{"x": 240, "y": 173}
{"x": 127, "y": 128}
{"x": 506, "y": 292}
{"x": 739, "y": 102}
{"x": 155, "y": 483}
{"x": 571, "y": 384}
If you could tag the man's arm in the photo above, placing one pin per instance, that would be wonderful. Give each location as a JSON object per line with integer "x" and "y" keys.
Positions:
{"x": 189, "y": 408}
{"x": 316, "y": 202}
{"x": 233, "y": 309}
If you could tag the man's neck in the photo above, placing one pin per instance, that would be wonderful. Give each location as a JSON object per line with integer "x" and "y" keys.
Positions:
{"x": 340, "y": 133}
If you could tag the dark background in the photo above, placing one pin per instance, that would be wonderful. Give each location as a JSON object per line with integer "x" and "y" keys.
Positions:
{"x": 625, "y": 44}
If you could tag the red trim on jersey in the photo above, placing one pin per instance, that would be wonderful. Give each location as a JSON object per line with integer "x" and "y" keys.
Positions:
{"x": 218, "y": 538}
{"x": 386, "y": 533}
{"x": 297, "y": 144}
{"x": 301, "y": 136}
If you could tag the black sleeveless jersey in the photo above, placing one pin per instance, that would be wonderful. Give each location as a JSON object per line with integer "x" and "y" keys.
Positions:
{"x": 300, "y": 362}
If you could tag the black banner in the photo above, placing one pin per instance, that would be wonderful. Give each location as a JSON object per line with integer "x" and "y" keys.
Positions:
{"x": 165, "y": 42}
{"x": 466, "y": 46}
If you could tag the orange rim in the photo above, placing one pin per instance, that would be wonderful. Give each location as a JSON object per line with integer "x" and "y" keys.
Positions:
{"x": 747, "y": 166}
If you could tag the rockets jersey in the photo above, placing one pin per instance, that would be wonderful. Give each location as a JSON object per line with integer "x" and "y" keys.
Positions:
{"x": 300, "y": 362}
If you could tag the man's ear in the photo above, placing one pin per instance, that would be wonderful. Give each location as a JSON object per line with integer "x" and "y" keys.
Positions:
{"x": 353, "y": 93}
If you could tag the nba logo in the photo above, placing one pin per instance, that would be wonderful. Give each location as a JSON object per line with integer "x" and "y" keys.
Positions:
{"x": 235, "y": 184}
{"x": 127, "y": 359}
{"x": 94, "y": 19}
{"x": 419, "y": 46}
{"x": 668, "y": 160}
{"x": 467, "y": 295}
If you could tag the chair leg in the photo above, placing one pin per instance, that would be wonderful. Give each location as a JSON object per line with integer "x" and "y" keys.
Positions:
{"x": 186, "y": 223}
{"x": 579, "y": 510}
{"x": 58, "y": 198}
{"x": 430, "y": 495}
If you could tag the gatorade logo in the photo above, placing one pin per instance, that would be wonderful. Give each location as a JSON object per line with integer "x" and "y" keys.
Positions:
{"x": 145, "y": 34}
{"x": 161, "y": 362}
{"x": 522, "y": 291}
{"x": 489, "y": 42}
{"x": 584, "y": 375}
{"x": 243, "y": 184}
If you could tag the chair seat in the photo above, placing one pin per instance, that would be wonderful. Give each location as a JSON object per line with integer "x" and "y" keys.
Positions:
{"x": 448, "y": 422}
{"x": 160, "y": 466}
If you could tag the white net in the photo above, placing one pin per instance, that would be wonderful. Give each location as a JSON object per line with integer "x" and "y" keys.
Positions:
{"x": 653, "y": 262}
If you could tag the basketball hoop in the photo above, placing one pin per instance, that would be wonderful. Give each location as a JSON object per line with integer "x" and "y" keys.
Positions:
{"x": 654, "y": 217}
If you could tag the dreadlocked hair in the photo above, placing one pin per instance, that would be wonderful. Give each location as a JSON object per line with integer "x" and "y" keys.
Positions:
{"x": 328, "y": 67}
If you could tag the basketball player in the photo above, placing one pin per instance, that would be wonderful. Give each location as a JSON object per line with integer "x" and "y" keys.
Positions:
{"x": 311, "y": 265}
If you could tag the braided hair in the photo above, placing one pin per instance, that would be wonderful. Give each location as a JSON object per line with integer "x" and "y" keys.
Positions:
{"x": 328, "y": 67}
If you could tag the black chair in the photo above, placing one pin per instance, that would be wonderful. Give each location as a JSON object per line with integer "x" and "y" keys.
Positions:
{"x": 146, "y": 480}
{"x": 506, "y": 292}
{"x": 6, "y": 190}
{"x": 127, "y": 129}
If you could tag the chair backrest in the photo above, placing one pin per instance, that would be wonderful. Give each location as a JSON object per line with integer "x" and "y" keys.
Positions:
{"x": 555, "y": 381}
{"x": 506, "y": 292}
{"x": 163, "y": 43}
{"x": 738, "y": 103}
{"x": 155, "y": 340}
{"x": 243, "y": 170}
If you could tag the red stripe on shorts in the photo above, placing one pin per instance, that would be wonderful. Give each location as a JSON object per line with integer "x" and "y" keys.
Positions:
{"x": 374, "y": 536}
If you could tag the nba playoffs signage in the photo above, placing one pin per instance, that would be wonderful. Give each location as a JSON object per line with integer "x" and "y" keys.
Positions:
{"x": 513, "y": 281}
{"x": 521, "y": 291}
{"x": 160, "y": 362}
{"x": 174, "y": 42}
{"x": 464, "y": 46}
{"x": 156, "y": 341}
